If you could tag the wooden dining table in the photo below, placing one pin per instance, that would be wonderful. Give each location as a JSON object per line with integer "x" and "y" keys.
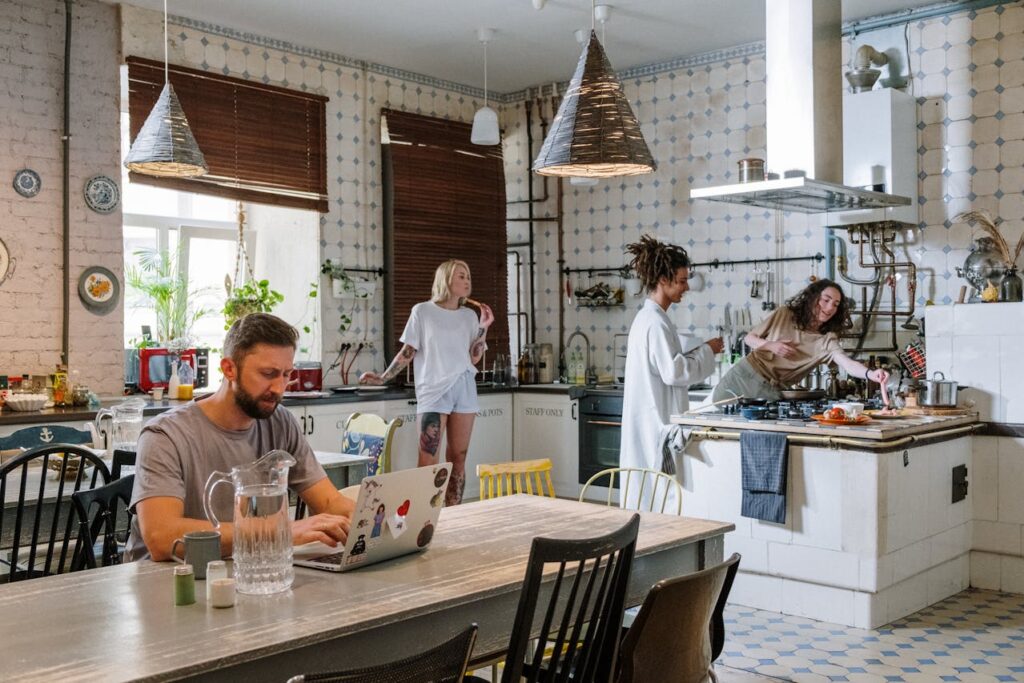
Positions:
{"x": 120, "y": 623}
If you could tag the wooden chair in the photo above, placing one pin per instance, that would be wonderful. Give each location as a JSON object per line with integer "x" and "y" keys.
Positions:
{"x": 99, "y": 510}
{"x": 507, "y": 478}
{"x": 675, "y": 636}
{"x": 41, "y": 526}
{"x": 445, "y": 663}
{"x": 43, "y": 435}
{"x": 121, "y": 459}
{"x": 658, "y": 483}
{"x": 586, "y": 580}
{"x": 365, "y": 434}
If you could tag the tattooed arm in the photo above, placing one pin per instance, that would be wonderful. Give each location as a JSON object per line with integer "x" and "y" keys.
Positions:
{"x": 479, "y": 343}
{"x": 404, "y": 357}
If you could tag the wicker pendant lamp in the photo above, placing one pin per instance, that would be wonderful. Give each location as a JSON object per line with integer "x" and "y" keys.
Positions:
{"x": 165, "y": 145}
{"x": 595, "y": 133}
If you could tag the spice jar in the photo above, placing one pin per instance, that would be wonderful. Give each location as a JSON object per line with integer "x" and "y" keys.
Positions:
{"x": 184, "y": 585}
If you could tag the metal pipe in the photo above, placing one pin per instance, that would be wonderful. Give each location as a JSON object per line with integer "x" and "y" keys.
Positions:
{"x": 712, "y": 434}
{"x": 563, "y": 278}
{"x": 65, "y": 343}
{"x": 529, "y": 209}
{"x": 544, "y": 134}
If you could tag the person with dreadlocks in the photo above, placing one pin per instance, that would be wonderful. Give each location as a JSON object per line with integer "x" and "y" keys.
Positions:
{"x": 792, "y": 342}
{"x": 658, "y": 373}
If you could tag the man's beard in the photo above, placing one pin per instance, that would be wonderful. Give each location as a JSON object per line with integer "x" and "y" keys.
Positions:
{"x": 250, "y": 405}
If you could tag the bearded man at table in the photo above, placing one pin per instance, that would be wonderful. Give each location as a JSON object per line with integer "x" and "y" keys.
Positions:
{"x": 242, "y": 421}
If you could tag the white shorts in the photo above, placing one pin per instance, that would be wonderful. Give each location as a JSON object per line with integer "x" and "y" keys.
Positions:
{"x": 459, "y": 398}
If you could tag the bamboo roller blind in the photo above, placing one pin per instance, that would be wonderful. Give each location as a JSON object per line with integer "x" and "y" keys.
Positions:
{"x": 444, "y": 198}
{"x": 262, "y": 143}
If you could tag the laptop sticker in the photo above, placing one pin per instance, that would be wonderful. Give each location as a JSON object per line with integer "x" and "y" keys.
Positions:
{"x": 438, "y": 499}
{"x": 426, "y": 533}
{"x": 378, "y": 521}
{"x": 440, "y": 476}
{"x": 396, "y": 525}
{"x": 360, "y": 546}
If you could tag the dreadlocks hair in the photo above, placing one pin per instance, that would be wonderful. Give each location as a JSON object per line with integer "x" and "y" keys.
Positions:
{"x": 653, "y": 260}
{"x": 803, "y": 304}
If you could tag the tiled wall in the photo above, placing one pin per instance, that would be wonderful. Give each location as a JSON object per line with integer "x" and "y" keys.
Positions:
{"x": 31, "y": 125}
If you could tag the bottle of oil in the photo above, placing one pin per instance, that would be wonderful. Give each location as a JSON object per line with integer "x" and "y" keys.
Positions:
{"x": 523, "y": 372}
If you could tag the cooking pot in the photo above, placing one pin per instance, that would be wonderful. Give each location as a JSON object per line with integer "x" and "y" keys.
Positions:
{"x": 937, "y": 393}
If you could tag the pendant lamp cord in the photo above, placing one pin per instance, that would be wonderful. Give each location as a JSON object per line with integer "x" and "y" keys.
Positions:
{"x": 593, "y": 14}
{"x": 485, "y": 73}
{"x": 166, "y": 77}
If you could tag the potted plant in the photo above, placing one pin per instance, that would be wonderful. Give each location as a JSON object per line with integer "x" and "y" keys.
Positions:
{"x": 255, "y": 296}
{"x": 161, "y": 286}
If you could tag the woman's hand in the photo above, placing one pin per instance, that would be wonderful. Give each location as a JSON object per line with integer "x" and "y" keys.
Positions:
{"x": 782, "y": 348}
{"x": 486, "y": 316}
{"x": 329, "y": 529}
{"x": 877, "y": 375}
{"x": 371, "y": 378}
{"x": 716, "y": 344}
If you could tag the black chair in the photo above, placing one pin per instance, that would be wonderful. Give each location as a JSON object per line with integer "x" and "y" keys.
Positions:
{"x": 445, "y": 663}
{"x": 672, "y": 635}
{"x": 98, "y": 513}
{"x": 121, "y": 459}
{"x": 583, "y": 616}
{"x": 41, "y": 526}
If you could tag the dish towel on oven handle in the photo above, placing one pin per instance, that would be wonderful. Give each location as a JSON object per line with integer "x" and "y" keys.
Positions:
{"x": 764, "y": 458}
{"x": 672, "y": 440}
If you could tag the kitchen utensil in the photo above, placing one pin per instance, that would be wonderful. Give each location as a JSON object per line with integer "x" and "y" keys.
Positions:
{"x": 937, "y": 393}
{"x": 716, "y": 403}
{"x": 743, "y": 401}
{"x": 753, "y": 412}
{"x": 262, "y": 528}
{"x": 25, "y": 403}
{"x": 125, "y": 424}
{"x": 750, "y": 170}
{"x": 802, "y": 394}
{"x": 859, "y": 420}
{"x": 984, "y": 263}
{"x": 913, "y": 359}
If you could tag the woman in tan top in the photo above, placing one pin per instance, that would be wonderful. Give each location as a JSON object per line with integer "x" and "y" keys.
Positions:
{"x": 791, "y": 342}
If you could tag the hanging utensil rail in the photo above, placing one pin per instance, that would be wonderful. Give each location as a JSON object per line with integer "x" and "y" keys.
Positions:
{"x": 626, "y": 271}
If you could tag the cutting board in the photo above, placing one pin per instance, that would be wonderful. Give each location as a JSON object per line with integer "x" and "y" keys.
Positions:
{"x": 921, "y": 410}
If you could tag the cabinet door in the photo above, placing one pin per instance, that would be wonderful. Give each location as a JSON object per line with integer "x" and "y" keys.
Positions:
{"x": 491, "y": 441}
{"x": 325, "y": 423}
{"x": 546, "y": 426}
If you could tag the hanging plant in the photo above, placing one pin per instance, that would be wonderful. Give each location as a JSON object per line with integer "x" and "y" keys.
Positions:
{"x": 255, "y": 296}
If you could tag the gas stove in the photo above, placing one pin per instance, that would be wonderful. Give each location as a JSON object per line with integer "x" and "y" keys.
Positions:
{"x": 795, "y": 410}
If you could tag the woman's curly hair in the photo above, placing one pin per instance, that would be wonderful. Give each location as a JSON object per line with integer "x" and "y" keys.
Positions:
{"x": 803, "y": 304}
{"x": 653, "y": 260}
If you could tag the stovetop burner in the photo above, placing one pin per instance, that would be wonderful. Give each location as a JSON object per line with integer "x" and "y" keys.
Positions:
{"x": 794, "y": 410}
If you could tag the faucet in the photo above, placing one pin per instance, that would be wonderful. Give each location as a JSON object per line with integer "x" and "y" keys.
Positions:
{"x": 568, "y": 342}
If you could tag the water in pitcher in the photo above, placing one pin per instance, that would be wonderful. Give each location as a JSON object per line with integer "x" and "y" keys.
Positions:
{"x": 262, "y": 540}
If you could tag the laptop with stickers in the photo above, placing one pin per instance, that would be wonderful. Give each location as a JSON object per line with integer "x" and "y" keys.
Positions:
{"x": 395, "y": 514}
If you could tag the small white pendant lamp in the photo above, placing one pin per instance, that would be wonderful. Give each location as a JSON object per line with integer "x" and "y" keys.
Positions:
{"x": 165, "y": 145}
{"x": 485, "y": 121}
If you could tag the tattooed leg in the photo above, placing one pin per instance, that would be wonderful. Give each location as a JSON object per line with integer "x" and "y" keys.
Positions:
{"x": 460, "y": 428}
{"x": 456, "y": 485}
{"x": 431, "y": 429}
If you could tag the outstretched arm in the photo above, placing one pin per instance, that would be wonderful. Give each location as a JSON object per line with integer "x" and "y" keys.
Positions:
{"x": 402, "y": 359}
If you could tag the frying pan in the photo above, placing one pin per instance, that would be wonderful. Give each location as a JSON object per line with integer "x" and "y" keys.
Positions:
{"x": 802, "y": 394}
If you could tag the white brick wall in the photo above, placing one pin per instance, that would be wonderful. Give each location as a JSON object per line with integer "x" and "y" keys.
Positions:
{"x": 31, "y": 124}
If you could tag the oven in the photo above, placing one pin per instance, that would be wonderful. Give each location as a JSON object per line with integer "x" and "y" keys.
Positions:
{"x": 600, "y": 433}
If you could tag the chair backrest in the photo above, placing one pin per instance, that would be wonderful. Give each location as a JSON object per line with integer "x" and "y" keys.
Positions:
{"x": 121, "y": 459}
{"x": 580, "y": 624}
{"x": 445, "y": 663}
{"x": 98, "y": 512}
{"x": 658, "y": 484}
{"x": 670, "y": 639}
{"x": 507, "y": 478}
{"x": 44, "y": 435}
{"x": 41, "y": 526}
{"x": 372, "y": 435}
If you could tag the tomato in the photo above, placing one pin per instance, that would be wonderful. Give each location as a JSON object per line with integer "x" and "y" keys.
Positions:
{"x": 835, "y": 414}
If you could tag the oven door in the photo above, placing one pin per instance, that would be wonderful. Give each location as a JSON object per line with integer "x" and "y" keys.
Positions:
{"x": 600, "y": 434}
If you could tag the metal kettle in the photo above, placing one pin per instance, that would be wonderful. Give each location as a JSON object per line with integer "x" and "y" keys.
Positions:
{"x": 984, "y": 263}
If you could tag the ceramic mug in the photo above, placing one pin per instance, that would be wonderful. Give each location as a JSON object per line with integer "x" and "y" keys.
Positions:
{"x": 200, "y": 547}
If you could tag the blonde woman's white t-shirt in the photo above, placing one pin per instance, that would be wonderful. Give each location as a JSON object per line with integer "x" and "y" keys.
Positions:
{"x": 442, "y": 338}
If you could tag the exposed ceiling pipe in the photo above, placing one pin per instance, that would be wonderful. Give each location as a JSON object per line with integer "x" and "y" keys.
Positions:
{"x": 65, "y": 341}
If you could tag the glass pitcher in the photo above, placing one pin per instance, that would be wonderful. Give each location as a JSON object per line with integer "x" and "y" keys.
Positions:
{"x": 125, "y": 424}
{"x": 263, "y": 532}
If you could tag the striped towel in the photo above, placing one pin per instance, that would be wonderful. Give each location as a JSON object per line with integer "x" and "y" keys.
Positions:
{"x": 764, "y": 462}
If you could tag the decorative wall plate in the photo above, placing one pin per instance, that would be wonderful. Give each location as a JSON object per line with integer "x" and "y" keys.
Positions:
{"x": 102, "y": 194}
{"x": 6, "y": 263}
{"x": 99, "y": 289}
{"x": 27, "y": 183}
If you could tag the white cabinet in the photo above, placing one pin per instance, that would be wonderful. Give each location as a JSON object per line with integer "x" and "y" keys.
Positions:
{"x": 547, "y": 426}
{"x": 322, "y": 424}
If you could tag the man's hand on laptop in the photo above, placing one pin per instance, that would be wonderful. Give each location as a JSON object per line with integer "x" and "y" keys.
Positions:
{"x": 326, "y": 528}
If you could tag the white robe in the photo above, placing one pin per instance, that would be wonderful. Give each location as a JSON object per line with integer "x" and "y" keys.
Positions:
{"x": 658, "y": 375}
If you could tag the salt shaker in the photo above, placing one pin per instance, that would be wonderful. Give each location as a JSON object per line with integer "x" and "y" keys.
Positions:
{"x": 184, "y": 585}
{"x": 215, "y": 569}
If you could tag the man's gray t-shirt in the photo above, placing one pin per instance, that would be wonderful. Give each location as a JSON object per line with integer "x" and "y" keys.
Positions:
{"x": 179, "y": 449}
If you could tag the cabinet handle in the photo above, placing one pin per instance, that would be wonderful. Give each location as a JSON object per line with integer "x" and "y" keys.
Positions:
{"x": 573, "y": 412}
{"x": 312, "y": 425}
{"x": 412, "y": 403}
{"x": 604, "y": 423}
{"x": 303, "y": 425}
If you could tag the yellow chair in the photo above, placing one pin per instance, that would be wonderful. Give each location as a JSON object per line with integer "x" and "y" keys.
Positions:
{"x": 658, "y": 483}
{"x": 372, "y": 435}
{"x": 507, "y": 478}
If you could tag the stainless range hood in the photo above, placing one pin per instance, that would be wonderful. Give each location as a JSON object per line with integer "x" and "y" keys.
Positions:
{"x": 803, "y": 54}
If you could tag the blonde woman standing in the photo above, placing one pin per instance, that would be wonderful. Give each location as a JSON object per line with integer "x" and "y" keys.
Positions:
{"x": 447, "y": 341}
